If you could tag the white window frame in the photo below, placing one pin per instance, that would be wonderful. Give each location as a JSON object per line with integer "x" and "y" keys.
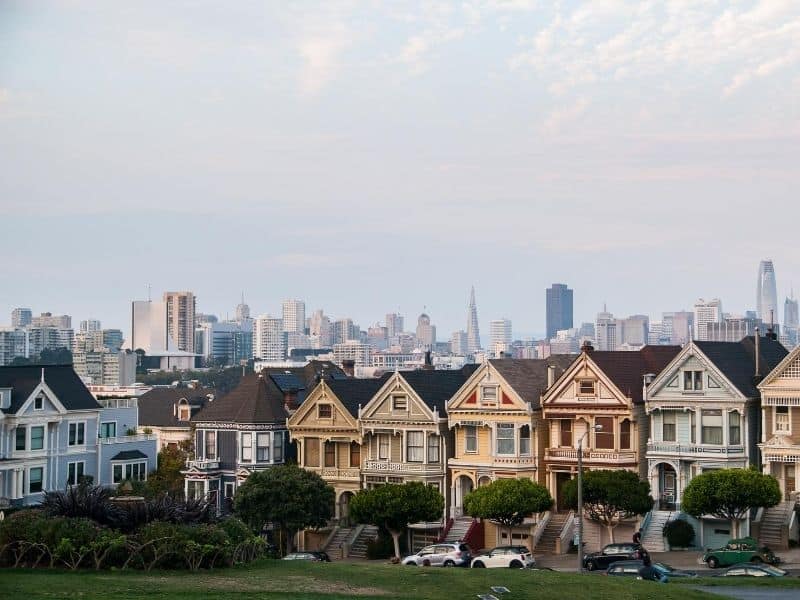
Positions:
{"x": 784, "y": 428}
{"x": 205, "y": 444}
{"x": 495, "y": 390}
{"x": 102, "y": 423}
{"x": 721, "y": 426}
{"x": 77, "y": 477}
{"x": 731, "y": 442}
{"x": 434, "y": 444}
{"x": 525, "y": 451}
{"x": 277, "y": 446}
{"x": 39, "y": 399}
{"x": 580, "y": 393}
{"x": 506, "y": 428}
{"x": 468, "y": 437}
{"x": 29, "y": 438}
{"x": 78, "y": 425}
{"x": 246, "y": 435}
{"x": 384, "y": 442}
{"x": 127, "y": 470}
{"x": 400, "y": 402}
{"x": 419, "y": 454}
{"x": 28, "y": 479}
{"x": 267, "y": 446}
{"x": 697, "y": 378}
{"x": 674, "y": 416}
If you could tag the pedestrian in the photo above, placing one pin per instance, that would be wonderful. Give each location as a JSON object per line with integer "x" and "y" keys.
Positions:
{"x": 637, "y": 536}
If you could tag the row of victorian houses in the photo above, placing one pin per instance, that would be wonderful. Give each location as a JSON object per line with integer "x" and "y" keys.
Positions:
{"x": 665, "y": 413}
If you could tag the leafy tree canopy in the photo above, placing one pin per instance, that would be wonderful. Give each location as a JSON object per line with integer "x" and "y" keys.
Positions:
{"x": 508, "y": 501}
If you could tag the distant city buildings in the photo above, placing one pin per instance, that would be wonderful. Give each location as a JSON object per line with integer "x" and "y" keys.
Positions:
{"x": 294, "y": 316}
{"x": 21, "y": 317}
{"x": 269, "y": 339}
{"x": 426, "y": 333}
{"x": 394, "y": 325}
{"x": 458, "y": 343}
{"x": 706, "y": 312}
{"x": 180, "y": 307}
{"x": 473, "y": 331}
{"x": 767, "y": 293}
{"x": 559, "y": 309}
{"x": 499, "y": 337}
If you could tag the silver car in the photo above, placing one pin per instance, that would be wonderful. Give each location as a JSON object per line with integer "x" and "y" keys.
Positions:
{"x": 441, "y": 555}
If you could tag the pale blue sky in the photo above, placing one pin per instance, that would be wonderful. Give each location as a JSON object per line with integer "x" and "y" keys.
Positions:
{"x": 366, "y": 158}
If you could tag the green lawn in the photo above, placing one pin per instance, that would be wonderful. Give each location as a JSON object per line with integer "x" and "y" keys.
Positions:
{"x": 294, "y": 580}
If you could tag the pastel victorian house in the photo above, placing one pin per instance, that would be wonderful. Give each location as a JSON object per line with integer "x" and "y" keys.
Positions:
{"x": 704, "y": 412}
{"x": 235, "y": 435}
{"x": 499, "y": 433}
{"x": 598, "y": 404}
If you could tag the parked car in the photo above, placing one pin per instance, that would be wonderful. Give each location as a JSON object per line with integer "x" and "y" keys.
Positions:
{"x": 739, "y": 551}
{"x": 614, "y": 553}
{"x": 310, "y": 556}
{"x": 514, "y": 557}
{"x": 322, "y": 556}
{"x": 441, "y": 555}
{"x": 753, "y": 570}
{"x": 632, "y": 568}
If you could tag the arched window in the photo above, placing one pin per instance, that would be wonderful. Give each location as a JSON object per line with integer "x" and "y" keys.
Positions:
{"x": 734, "y": 428}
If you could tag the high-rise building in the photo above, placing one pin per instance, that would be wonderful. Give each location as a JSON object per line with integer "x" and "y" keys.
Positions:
{"x": 269, "y": 338}
{"x": 733, "y": 329}
{"x": 149, "y": 326}
{"x": 473, "y": 331}
{"x": 105, "y": 367}
{"x": 294, "y": 316}
{"x": 559, "y": 308}
{"x": 320, "y": 330}
{"x": 394, "y": 324}
{"x": 458, "y": 343}
{"x": 21, "y": 317}
{"x": 426, "y": 333}
{"x": 344, "y": 330}
{"x": 13, "y": 343}
{"x": 635, "y": 330}
{"x": 358, "y": 352}
{"x": 90, "y": 325}
{"x": 242, "y": 311}
{"x": 49, "y": 338}
{"x": 706, "y": 312}
{"x": 500, "y": 336}
{"x": 47, "y": 319}
{"x": 605, "y": 330}
{"x": 791, "y": 316}
{"x": 180, "y": 319}
{"x": 767, "y": 293}
{"x": 678, "y": 327}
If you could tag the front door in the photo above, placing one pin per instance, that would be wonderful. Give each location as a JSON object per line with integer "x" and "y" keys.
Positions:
{"x": 669, "y": 488}
{"x": 789, "y": 472}
{"x": 562, "y": 479}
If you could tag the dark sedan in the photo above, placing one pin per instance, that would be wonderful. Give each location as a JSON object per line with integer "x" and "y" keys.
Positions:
{"x": 310, "y": 556}
{"x": 657, "y": 571}
{"x": 753, "y": 570}
{"x": 614, "y": 553}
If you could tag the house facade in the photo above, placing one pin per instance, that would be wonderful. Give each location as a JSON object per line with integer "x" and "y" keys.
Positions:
{"x": 236, "y": 435}
{"x": 167, "y": 413}
{"x": 123, "y": 452}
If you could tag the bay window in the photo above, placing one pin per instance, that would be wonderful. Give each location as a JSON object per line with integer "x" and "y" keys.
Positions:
{"x": 35, "y": 478}
{"x": 415, "y": 446}
{"x": 433, "y": 448}
{"x": 383, "y": 447}
{"x": 625, "y": 435}
{"x": 782, "y": 419}
{"x": 668, "y": 420}
{"x": 21, "y": 434}
{"x": 330, "y": 454}
{"x": 247, "y": 447}
{"x": 37, "y": 438}
{"x": 604, "y": 438}
{"x": 525, "y": 440}
{"x": 470, "y": 438}
{"x": 711, "y": 427}
{"x": 734, "y": 428}
{"x": 262, "y": 447}
{"x": 505, "y": 438}
{"x": 565, "y": 426}
{"x": 355, "y": 454}
{"x": 277, "y": 447}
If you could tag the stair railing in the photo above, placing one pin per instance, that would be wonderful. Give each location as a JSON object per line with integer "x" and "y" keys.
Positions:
{"x": 566, "y": 535}
{"x": 446, "y": 530}
{"x": 540, "y": 527}
{"x": 330, "y": 537}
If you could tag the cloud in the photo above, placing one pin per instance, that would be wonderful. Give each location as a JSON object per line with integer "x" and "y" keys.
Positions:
{"x": 565, "y": 115}
{"x": 321, "y": 52}
{"x": 416, "y": 53}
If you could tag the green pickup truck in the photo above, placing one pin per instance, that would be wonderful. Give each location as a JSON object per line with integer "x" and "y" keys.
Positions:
{"x": 739, "y": 551}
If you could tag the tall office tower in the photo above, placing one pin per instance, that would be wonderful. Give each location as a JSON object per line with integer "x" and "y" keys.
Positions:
{"x": 149, "y": 326}
{"x": 705, "y": 313}
{"x": 500, "y": 335}
{"x": 269, "y": 338}
{"x": 656, "y": 336}
{"x": 13, "y": 343}
{"x": 635, "y": 330}
{"x": 791, "y": 315}
{"x": 242, "y": 311}
{"x": 294, "y": 316}
{"x": 678, "y": 327}
{"x": 47, "y": 319}
{"x": 394, "y": 324}
{"x": 559, "y": 308}
{"x": 21, "y": 317}
{"x": 180, "y": 319}
{"x": 733, "y": 329}
{"x": 320, "y": 330}
{"x": 90, "y": 326}
{"x": 473, "y": 332}
{"x": 458, "y": 343}
{"x": 605, "y": 331}
{"x": 426, "y": 333}
{"x": 767, "y": 293}
{"x": 343, "y": 330}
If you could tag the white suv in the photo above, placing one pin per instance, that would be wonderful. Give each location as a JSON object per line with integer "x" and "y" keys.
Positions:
{"x": 441, "y": 555}
{"x": 514, "y": 557}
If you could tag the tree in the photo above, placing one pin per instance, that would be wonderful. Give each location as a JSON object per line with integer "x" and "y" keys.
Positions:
{"x": 287, "y": 496}
{"x": 394, "y": 506}
{"x": 167, "y": 478}
{"x": 508, "y": 502}
{"x": 730, "y": 494}
{"x": 610, "y": 497}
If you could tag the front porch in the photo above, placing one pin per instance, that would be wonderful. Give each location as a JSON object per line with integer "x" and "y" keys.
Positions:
{"x": 12, "y": 487}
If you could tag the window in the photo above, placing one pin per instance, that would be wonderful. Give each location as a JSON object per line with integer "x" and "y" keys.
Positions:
{"x": 470, "y": 438}
{"x": 75, "y": 472}
{"x": 37, "y": 437}
{"x": 433, "y": 448}
{"x": 277, "y": 447}
{"x": 247, "y": 447}
{"x": 184, "y": 411}
{"x": 489, "y": 394}
{"x": 565, "y": 440}
{"x": 734, "y": 428}
{"x": 355, "y": 455}
{"x": 693, "y": 427}
{"x": 604, "y": 439}
{"x": 711, "y": 427}
{"x": 77, "y": 434}
{"x": 108, "y": 429}
{"x": 324, "y": 411}
{"x": 668, "y": 420}
{"x": 693, "y": 381}
{"x": 35, "y": 477}
{"x": 625, "y": 435}
{"x": 21, "y": 433}
{"x": 330, "y": 454}
{"x": 525, "y": 440}
{"x": 211, "y": 444}
{"x": 38, "y": 403}
{"x": 117, "y": 473}
{"x": 586, "y": 387}
{"x": 781, "y": 419}
{"x": 399, "y": 403}
{"x": 505, "y": 438}
{"x": 383, "y": 447}
{"x": 415, "y": 446}
{"x": 136, "y": 471}
{"x": 311, "y": 452}
{"x": 262, "y": 447}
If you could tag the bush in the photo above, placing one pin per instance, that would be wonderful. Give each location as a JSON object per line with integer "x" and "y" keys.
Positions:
{"x": 679, "y": 533}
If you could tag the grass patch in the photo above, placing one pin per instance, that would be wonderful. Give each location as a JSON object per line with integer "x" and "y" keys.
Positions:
{"x": 295, "y": 580}
{"x": 787, "y": 582}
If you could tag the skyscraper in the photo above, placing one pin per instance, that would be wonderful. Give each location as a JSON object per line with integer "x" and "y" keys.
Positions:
{"x": 294, "y": 316}
{"x": 458, "y": 343}
{"x": 269, "y": 338}
{"x": 394, "y": 324}
{"x": 791, "y": 315}
{"x": 473, "y": 332}
{"x": 180, "y": 319}
{"x": 499, "y": 336}
{"x": 21, "y": 317}
{"x": 606, "y": 330}
{"x": 767, "y": 293}
{"x": 242, "y": 311}
{"x": 426, "y": 333}
{"x": 705, "y": 313}
{"x": 559, "y": 308}
{"x": 90, "y": 325}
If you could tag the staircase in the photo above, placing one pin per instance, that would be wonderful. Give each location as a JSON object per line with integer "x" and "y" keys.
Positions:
{"x": 547, "y": 543}
{"x": 359, "y": 547}
{"x": 459, "y": 529}
{"x": 334, "y": 546}
{"x": 774, "y": 528}
{"x": 653, "y": 539}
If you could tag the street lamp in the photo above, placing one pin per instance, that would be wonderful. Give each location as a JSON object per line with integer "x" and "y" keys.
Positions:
{"x": 580, "y": 495}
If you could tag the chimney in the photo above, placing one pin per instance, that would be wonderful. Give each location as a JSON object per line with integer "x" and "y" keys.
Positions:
{"x": 290, "y": 399}
{"x": 349, "y": 367}
{"x": 587, "y": 347}
{"x": 428, "y": 365}
{"x": 551, "y": 376}
{"x": 758, "y": 352}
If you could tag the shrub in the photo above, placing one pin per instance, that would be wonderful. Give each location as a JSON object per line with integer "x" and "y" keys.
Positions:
{"x": 383, "y": 547}
{"x": 236, "y": 529}
{"x": 679, "y": 533}
{"x": 87, "y": 501}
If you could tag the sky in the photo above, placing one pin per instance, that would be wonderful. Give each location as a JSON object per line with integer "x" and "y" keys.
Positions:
{"x": 370, "y": 157}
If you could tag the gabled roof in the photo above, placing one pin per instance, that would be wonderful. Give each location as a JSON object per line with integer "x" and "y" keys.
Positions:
{"x": 257, "y": 399}
{"x": 353, "y": 393}
{"x": 435, "y": 388}
{"x": 737, "y": 360}
{"x": 528, "y": 376}
{"x": 61, "y": 379}
{"x": 157, "y": 407}
{"x": 301, "y": 380}
{"x": 626, "y": 370}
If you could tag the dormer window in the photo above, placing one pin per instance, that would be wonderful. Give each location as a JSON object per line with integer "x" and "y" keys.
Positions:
{"x": 489, "y": 394}
{"x": 586, "y": 387}
{"x": 324, "y": 411}
{"x": 693, "y": 381}
{"x": 184, "y": 410}
{"x": 399, "y": 403}
{"x": 38, "y": 403}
